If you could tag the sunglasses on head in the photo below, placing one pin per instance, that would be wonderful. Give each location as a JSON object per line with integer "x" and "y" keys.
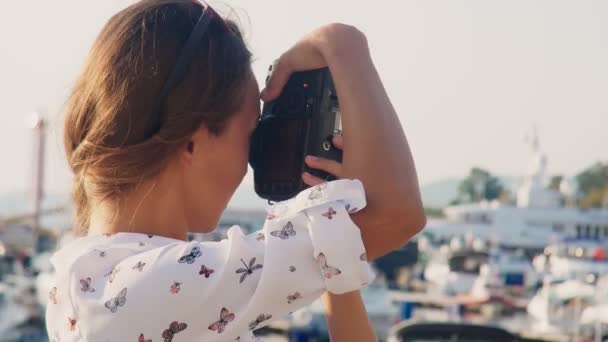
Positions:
{"x": 183, "y": 61}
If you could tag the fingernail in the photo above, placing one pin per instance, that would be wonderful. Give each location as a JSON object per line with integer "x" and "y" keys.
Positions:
{"x": 312, "y": 158}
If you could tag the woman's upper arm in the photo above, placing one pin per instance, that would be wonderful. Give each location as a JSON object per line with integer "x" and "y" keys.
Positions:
{"x": 376, "y": 150}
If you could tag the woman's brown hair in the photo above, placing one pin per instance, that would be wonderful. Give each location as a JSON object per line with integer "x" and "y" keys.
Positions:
{"x": 111, "y": 103}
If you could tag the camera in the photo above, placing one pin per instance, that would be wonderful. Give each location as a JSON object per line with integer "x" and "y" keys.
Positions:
{"x": 301, "y": 121}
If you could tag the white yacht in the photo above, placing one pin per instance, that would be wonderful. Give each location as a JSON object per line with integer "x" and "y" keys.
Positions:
{"x": 539, "y": 217}
{"x": 453, "y": 270}
{"x": 598, "y": 312}
{"x": 572, "y": 257}
{"x": 18, "y": 305}
{"x": 507, "y": 277}
{"x": 558, "y": 305}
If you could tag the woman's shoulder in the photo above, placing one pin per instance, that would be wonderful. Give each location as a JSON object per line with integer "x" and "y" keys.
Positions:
{"x": 99, "y": 245}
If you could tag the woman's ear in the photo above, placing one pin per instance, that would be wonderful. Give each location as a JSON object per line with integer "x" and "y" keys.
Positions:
{"x": 186, "y": 154}
{"x": 201, "y": 140}
{"x": 190, "y": 147}
{"x": 197, "y": 140}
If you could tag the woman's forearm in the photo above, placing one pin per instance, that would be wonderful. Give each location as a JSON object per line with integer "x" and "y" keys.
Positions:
{"x": 376, "y": 150}
{"x": 347, "y": 319}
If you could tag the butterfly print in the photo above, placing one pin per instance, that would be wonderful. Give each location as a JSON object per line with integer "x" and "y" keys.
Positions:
{"x": 143, "y": 339}
{"x": 117, "y": 301}
{"x": 206, "y": 271}
{"x": 292, "y": 298}
{"x": 363, "y": 257}
{"x": 292, "y": 268}
{"x": 261, "y": 318}
{"x": 261, "y": 237}
{"x": 100, "y": 253}
{"x": 317, "y": 191}
{"x": 191, "y": 257}
{"x": 351, "y": 210}
{"x": 174, "y": 328}
{"x": 248, "y": 270}
{"x": 330, "y": 213}
{"x": 285, "y": 232}
{"x": 53, "y": 295}
{"x": 85, "y": 285}
{"x": 176, "y": 287}
{"x": 112, "y": 274}
{"x": 139, "y": 266}
{"x": 328, "y": 271}
{"x": 225, "y": 318}
{"x": 150, "y": 236}
{"x": 72, "y": 324}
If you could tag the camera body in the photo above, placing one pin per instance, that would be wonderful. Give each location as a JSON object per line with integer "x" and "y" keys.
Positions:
{"x": 300, "y": 122}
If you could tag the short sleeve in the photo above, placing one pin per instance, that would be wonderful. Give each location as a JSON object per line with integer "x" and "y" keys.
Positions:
{"x": 336, "y": 240}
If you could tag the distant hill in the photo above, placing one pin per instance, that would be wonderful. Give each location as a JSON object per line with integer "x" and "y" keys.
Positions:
{"x": 19, "y": 202}
{"x": 440, "y": 193}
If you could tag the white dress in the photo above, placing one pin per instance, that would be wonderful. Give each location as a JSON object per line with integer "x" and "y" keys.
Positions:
{"x": 138, "y": 287}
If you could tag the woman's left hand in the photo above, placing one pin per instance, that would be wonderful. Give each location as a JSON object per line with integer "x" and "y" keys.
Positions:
{"x": 332, "y": 167}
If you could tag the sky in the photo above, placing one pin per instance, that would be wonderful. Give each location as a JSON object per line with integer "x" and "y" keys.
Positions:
{"x": 468, "y": 78}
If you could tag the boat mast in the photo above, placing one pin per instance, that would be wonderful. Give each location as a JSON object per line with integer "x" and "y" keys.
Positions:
{"x": 38, "y": 129}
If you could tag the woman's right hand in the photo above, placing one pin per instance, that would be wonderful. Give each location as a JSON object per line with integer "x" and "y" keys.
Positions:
{"x": 332, "y": 167}
{"x": 312, "y": 52}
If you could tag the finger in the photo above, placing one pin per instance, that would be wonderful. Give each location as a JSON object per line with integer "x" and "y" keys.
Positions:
{"x": 311, "y": 180}
{"x": 330, "y": 166}
{"x": 279, "y": 76}
{"x": 304, "y": 55}
{"x": 338, "y": 141}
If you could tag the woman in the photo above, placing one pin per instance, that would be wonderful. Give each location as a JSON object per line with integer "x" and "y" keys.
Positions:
{"x": 140, "y": 185}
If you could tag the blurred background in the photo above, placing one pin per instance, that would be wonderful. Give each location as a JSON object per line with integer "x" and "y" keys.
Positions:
{"x": 504, "y": 104}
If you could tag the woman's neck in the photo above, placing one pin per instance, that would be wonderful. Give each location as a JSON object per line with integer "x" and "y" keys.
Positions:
{"x": 153, "y": 210}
